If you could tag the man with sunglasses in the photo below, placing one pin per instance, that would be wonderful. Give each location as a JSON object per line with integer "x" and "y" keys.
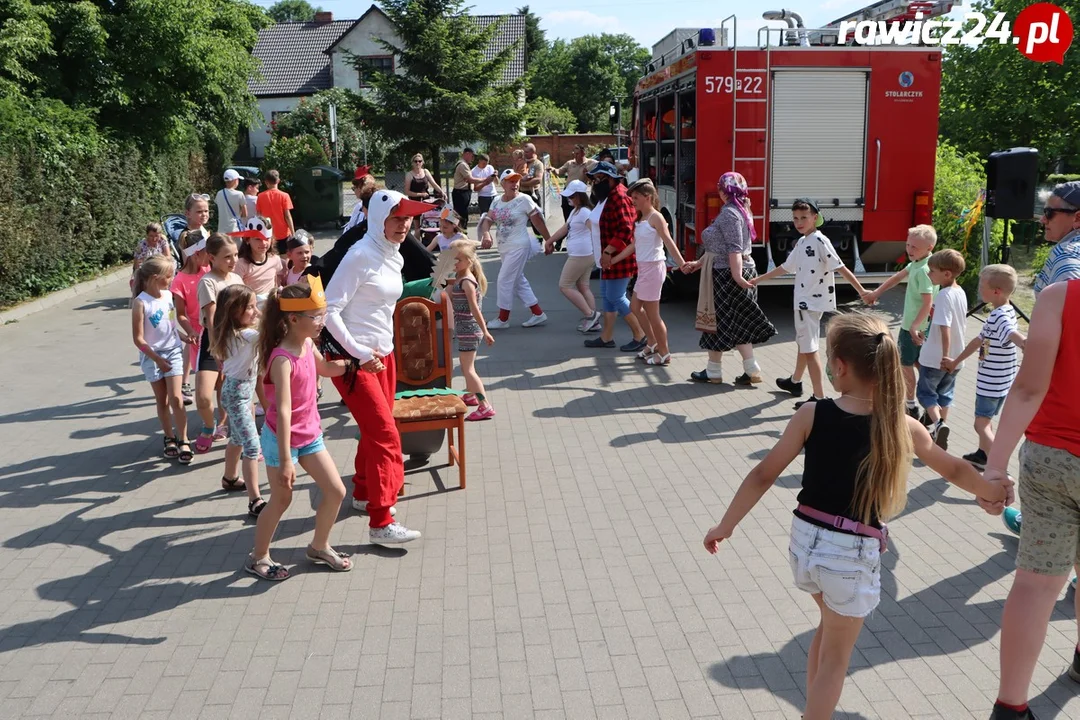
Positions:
{"x": 1061, "y": 224}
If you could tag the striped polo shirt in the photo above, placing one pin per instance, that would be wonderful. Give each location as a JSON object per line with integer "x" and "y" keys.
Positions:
{"x": 997, "y": 356}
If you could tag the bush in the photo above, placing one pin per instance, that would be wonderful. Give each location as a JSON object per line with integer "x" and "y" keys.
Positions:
{"x": 74, "y": 202}
{"x": 1061, "y": 177}
{"x": 959, "y": 180}
{"x": 289, "y": 154}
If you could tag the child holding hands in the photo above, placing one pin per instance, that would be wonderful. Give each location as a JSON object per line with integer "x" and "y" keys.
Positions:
{"x": 859, "y": 450}
{"x": 292, "y": 433}
{"x": 160, "y": 337}
{"x": 466, "y": 296}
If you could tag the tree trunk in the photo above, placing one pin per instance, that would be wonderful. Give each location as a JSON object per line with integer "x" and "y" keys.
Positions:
{"x": 436, "y": 162}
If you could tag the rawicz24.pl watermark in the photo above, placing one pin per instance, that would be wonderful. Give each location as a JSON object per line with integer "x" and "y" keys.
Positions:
{"x": 1041, "y": 32}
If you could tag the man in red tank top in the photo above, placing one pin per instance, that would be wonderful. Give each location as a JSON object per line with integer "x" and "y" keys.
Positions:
{"x": 1042, "y": 406}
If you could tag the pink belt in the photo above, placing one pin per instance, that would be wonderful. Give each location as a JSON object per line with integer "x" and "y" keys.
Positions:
{"x": 842, "y": 523}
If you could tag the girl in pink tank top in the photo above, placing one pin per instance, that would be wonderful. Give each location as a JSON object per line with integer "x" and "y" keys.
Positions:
{"x": 292, "y": 433}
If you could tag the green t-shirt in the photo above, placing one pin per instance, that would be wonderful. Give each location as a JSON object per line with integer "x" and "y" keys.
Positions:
{"x": 918, "y": 284}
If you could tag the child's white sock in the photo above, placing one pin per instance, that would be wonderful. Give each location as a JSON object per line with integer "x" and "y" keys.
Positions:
{"x": 713, "y": 370}
{"x": 912, "y": 404}
{"x": 750, "y": 366}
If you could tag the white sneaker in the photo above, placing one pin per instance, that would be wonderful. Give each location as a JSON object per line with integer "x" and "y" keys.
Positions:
{"x": 361, "y": 506}
{"x": 597, "y": 323}
{"x": 498, "y": 324}
{"x": 534, "y": 320}
{"x": 393, "y": 534}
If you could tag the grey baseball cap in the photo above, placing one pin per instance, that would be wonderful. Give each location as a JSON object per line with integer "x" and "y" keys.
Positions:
{"x": 604, "y": 168}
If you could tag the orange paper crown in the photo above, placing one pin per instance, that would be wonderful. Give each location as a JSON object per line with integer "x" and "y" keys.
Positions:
{"x": 317, "y": 300}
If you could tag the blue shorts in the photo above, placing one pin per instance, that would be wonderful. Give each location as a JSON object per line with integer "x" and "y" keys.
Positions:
{"x": 988, "y": 407}
{"x": 175, "y": 358}
{"x": 613, "y": 295}
{"x": 935, "y": 387}
{"x": 270, "y": 449}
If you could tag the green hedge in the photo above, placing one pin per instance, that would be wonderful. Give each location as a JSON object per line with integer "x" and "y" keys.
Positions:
{"x": 73, "y": 202}
{"x": 1060, "y": 178}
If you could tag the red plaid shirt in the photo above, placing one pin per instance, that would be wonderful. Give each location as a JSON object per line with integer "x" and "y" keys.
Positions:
{"x": 617, "y": 231}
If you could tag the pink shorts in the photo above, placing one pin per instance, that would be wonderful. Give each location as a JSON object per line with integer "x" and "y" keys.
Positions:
{"x": 650, "y": 280}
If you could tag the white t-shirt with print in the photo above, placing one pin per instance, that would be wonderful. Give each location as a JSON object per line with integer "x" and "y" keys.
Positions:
{"x": 814, "y": 263}
{"x": 511, "y": 220}
{"x": 483, "y": 173}
{"x": 578, "y": 237}
{"x": 949, "y": 310}
{"x": 243, "y": 352}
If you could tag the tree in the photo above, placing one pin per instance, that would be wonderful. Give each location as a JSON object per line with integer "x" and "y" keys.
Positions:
{"x": 290, "y": 10}
{"x": 311, "y": 118}
{"x": 449, "y": 93}
{"x": 535, "y": 37}
{"x": 580, "y": 75}
{"x": 542, "y": 117}
{"x": 630, "y": 57}
{"x": 151, "y": 70}
{"x": 993, "y": 98}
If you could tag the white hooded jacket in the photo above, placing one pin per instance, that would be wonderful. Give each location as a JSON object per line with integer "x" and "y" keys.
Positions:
{"x": 361, "y": 296}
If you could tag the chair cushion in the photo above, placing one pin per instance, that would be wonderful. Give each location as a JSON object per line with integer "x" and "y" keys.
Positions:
{"x": 432, "y": 407}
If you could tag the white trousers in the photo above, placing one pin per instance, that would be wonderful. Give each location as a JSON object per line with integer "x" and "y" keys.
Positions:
{"x": 512, "y": 280}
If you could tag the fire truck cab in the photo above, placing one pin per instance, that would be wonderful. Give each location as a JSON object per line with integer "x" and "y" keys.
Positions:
{"x": 799, "y": 115}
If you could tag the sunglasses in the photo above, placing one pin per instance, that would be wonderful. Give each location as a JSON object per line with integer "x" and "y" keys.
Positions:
{"x": 200, "y": 196}
{"x": 1050, "y": 212}
{"x": 316, "y": 318}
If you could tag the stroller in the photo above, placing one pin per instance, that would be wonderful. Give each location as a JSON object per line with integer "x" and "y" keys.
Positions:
{"x": 428, "y": 227}
{"x": 174, "y": 224}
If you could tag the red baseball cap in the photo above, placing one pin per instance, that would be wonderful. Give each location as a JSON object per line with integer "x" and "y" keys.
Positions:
{"x": 362, "y": 171}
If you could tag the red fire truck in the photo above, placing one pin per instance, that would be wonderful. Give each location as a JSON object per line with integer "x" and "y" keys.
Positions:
{"x": 853, "y": 127}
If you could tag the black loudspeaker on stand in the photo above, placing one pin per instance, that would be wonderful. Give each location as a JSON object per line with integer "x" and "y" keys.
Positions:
{"x": 1011, "y": 179}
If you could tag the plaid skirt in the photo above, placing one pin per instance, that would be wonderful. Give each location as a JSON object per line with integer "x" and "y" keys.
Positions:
{"x": 739, "y": 320}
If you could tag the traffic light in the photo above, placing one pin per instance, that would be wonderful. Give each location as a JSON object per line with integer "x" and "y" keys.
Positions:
{"x": 615, "y": 116}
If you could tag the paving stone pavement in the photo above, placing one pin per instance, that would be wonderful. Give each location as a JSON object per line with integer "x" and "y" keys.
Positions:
{"x": 567, "y": 581}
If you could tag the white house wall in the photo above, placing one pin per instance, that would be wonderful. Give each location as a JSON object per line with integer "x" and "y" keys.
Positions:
{"x": 260, "y": 129}
{"x": 362, "y": 41}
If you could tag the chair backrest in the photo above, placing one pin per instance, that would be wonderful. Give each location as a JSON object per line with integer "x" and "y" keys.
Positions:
{"x": 421, "y": 342}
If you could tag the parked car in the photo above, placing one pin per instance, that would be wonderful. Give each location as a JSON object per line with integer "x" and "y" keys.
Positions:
{"x": 621, "y": 154}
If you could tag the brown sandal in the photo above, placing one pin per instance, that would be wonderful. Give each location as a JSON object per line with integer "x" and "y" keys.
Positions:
{"x": 336, "y": 561}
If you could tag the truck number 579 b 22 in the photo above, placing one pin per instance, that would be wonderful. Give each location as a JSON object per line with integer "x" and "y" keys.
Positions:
{"x": 751, "y": 85}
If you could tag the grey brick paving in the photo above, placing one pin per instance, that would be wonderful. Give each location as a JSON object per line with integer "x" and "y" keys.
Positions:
{"x": 567, "y": 581}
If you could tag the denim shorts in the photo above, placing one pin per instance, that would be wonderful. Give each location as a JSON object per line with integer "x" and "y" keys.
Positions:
{"x": 175, "y": 358}
{"x": 270, "y": 448}
{"x": 988, "y": 407}
{"x": 935, "y": 387}
{"x": 613, "y": 295}
{"x": 845, "y": 569}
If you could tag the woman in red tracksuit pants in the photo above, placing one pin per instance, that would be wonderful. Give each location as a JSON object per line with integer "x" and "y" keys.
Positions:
{"x": 360, "y": 300}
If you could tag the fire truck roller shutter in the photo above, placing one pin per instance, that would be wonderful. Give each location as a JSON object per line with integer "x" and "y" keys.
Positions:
{"x": 819, "y": 141}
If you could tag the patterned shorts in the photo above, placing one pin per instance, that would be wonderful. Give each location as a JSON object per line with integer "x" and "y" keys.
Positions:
{"x": 236, "y": 397}
{"x": 1050, "y": 495}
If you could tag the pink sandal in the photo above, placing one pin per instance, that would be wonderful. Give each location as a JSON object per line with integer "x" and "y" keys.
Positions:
{"x": 484, "y": 412}
{"x": 470, "y": 400}
{"x": 203, "y": 443}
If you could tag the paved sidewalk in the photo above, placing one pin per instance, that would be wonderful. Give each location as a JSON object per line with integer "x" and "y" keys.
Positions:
{"x": 567, "y": 581}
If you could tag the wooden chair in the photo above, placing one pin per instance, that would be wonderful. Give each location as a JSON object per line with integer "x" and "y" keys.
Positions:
{"x": 422, "y": 355}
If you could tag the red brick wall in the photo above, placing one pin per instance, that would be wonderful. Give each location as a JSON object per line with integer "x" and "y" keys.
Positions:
{"x": 560, "y": 147}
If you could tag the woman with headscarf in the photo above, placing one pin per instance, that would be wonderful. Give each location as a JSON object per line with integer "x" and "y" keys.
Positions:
{"x": 360, "y": 301}
{"x": 733, "y": 319}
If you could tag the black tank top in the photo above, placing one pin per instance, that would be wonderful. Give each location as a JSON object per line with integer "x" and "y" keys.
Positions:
{"x": 418, "y": 185}
{"x": 837, "y": 446}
